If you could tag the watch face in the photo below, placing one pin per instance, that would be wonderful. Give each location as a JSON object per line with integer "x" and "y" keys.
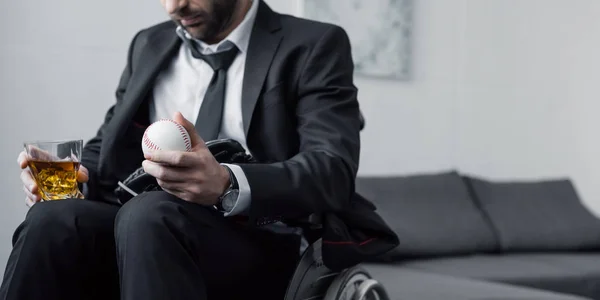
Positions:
{"x": 230, "y": 200}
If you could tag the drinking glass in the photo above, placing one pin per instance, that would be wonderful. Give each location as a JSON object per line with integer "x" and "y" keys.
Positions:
{"x": 54, "y": 165}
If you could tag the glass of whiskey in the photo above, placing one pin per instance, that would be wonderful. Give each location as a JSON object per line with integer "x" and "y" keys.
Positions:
{"x": 54, "y": 165}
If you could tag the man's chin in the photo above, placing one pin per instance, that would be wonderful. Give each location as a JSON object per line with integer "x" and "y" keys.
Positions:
{"x": 196, "y": 31}
{"x": 200, "y": 31}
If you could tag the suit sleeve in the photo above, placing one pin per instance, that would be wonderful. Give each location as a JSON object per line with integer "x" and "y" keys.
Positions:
{"x": 320, "y": 178}
{"x": 91, "y": 150}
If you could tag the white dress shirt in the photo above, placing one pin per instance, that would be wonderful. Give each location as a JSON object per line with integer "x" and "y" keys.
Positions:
{"x": 181, "y": 87}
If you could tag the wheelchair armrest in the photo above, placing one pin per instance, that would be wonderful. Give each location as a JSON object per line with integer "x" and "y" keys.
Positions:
{"x": 313, "y": 222}
{"x": 311, "y": 225}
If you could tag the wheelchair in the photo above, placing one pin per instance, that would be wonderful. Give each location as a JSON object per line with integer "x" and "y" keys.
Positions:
{"x": 312, "y": 280}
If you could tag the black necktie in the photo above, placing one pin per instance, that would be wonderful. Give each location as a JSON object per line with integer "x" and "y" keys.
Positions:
{"x": 208, "y": 123}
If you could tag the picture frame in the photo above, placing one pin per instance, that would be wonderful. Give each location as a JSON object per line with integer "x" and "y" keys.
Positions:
{"x": 380, "y": 32}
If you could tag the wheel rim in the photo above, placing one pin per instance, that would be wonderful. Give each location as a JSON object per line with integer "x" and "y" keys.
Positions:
{"x": 371, "y": 290}
{"x": 352, "y": 286}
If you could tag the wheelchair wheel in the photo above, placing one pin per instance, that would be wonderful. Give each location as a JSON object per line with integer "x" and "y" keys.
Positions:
{"x": 355, "y": 284}
{"x": 311, "y": 278}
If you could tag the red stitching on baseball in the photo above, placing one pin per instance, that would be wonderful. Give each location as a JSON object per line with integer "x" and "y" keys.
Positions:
{"x": 184, "y": 135}
{"x": 148, "y": 142}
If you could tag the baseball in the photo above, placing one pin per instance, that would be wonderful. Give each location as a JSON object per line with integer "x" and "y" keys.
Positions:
{"x": 166, "y": 134}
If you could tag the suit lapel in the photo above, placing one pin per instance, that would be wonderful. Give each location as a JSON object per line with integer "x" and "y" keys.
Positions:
{"x": 153, "y": 56}
{"x": 148, "y": 58}
{"x": 264, "y": 42}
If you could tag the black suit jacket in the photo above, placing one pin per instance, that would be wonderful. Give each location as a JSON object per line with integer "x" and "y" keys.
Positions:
{"x": 301, "y": 119}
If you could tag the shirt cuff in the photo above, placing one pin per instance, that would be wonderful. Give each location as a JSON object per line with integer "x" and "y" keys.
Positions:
{"x": 243, "y": 201}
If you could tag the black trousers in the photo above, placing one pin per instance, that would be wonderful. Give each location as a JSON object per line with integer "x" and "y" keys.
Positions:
{"x": 156, "y": 246}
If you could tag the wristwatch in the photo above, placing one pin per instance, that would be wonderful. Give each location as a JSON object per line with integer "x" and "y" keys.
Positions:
{"x": 228, "y": 199}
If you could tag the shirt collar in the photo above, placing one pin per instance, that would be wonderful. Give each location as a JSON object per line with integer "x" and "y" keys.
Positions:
{"x": 240, "y": 36}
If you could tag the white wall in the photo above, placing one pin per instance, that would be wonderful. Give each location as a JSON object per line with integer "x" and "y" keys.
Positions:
{"x": 504, "y": 89}
{"x": 528, "y": 92}
{"x": 60, "y": 62}
{"x": 501, "y": 88}
{"x": 411, "y": 125}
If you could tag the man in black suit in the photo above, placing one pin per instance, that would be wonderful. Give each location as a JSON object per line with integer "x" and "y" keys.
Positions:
{"x": 281, "y": 86}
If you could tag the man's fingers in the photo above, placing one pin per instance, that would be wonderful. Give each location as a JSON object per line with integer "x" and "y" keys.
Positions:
{"x": 164, "y": 173}
{"x": 174, "y": 158}
{"x": 31, "y": 196}
{"x": 30, "y": 202}
{"x": 83, "y": 174}
{"x": 82, "y": 177}
{"x": 172, "y": 187}
{"x": 197, "y": 141}
{"x": 35, "y": 153}
{"x": 28, "y": 181}
{"x": 85, "y": 170}
{"x": 22, "y": 160}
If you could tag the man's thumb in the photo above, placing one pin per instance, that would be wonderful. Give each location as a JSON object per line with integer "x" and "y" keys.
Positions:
{"x": 189, "y": 127}
{"x": 83, "y": 175}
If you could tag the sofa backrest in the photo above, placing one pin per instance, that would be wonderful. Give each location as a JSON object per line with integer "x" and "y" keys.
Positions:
{"x": 536, "y": 216}
{"x": 446, "y": 213}
{"x": 433, "y": 214}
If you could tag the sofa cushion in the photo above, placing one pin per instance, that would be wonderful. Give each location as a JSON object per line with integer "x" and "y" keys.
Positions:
{"x": 432, "y": 214}
{"x": 403, "y": 283}
{"x": 576, "y": 273}
{"x": 537, "y": 216}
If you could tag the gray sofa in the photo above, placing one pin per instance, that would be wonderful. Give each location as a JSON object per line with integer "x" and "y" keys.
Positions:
{"x": 463, "y": 237}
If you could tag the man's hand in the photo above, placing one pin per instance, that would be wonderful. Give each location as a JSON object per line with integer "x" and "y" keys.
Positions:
{"x": 193, "y": 176}
{"x": 30, "y": 187}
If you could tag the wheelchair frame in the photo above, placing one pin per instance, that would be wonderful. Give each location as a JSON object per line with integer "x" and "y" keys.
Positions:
{"x": 312, "y": 280}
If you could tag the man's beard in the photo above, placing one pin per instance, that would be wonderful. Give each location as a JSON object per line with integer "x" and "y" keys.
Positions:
{"x": 215, "y": 22}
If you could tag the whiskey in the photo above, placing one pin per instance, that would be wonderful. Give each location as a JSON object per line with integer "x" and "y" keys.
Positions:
{"x": 56, "y": 180}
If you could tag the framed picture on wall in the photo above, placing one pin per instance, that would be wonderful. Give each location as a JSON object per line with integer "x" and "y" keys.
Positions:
{"x": 379, "y": 31}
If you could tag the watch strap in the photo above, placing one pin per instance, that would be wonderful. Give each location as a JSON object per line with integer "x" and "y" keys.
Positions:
{"x": 233, "y": 185}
